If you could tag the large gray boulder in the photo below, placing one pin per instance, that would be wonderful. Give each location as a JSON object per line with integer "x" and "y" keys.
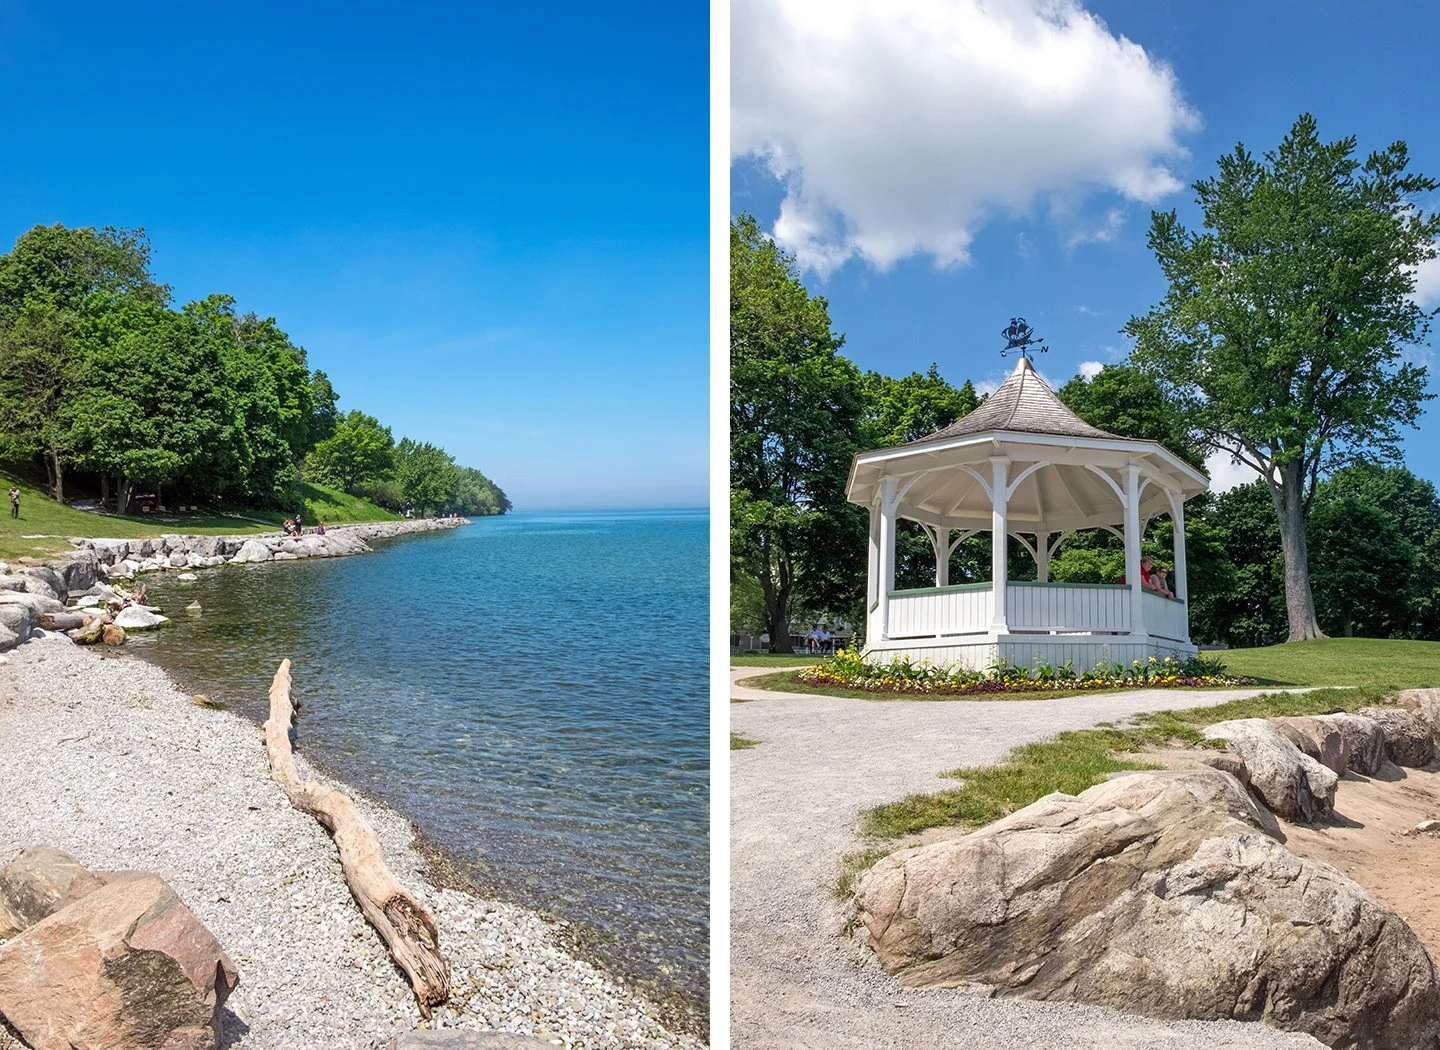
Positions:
{"x": 45, "y": 581}
{"x": 1424, "y": 704}
{"x": 252, "y": 550}
{"x": 38, "y": 883}
{"x": 1291, "y": 783}
{"x": 139, "y": 618}
{"x": 79, "y": 571}
{"x": 1157, "y": 894}
{"x": 1407, "y": 737}
{"x": 1323, "y": 741}
{"x": 1364, "y": 741}
{"x": 36, "y": 603}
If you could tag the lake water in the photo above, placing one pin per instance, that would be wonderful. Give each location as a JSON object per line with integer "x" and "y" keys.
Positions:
{"x": 530, "y": 690}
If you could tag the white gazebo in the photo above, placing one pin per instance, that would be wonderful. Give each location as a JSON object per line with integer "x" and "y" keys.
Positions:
{"x": 1023, "y": 465}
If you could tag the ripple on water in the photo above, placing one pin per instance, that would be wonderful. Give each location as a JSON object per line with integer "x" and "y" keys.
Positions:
{"x": 530, "y": 690}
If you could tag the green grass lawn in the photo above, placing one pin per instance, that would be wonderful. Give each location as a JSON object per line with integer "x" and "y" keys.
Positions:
{"x": 1363, "y": 670}
{"x": 55, "y": 522}
{"x": 774, "y": 660}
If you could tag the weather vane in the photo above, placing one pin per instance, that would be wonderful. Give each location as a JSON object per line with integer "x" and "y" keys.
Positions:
{"x": 1020, "y": 336}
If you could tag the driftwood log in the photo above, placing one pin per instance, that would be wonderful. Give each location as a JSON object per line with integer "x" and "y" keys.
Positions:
{"x": 408, "y": 930}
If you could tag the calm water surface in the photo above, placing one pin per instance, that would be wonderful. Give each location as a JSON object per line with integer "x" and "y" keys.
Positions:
{"x": 529, "y": 690}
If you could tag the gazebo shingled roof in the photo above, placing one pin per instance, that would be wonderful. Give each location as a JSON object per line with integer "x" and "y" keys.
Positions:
{"x": 1025, "y": 405}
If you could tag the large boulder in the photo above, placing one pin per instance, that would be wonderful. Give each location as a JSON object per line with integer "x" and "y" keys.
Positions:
{"x": 17, "y": 620}
{"x": 1156, "y": 894}
{"x": 1364, "y": 741}
{"x": 45, "y": 581}
{"x": 38, "y": 883}
{"x": 79, "y": 571}
{"x": 138, "y": 618}
{"x": 252, "y": 550}
{"x": 1291, "y": 783}
{"x": 1407, "y": 737}
{"x": 1424, "y": 704}
{"x": 125, "y": 967}
{"x": 1323, "y": 741}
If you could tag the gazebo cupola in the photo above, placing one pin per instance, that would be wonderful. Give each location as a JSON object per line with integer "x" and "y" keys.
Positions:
{"x": 1023, "y": 465}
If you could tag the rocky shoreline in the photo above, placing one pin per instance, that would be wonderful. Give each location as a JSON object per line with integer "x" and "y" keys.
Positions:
{"x": 107, "y": 760}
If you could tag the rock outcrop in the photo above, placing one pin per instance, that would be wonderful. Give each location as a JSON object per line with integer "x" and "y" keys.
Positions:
{"x": 1155, "y": 893}
{"x": 38, "y": 883}
{"x": 1364, "y": 741}
{"x": 1290, "y": 782}
{"x": 1407, "y": 737}
{"x": 127, "y": 967}
{"x": 1321, "y": 740}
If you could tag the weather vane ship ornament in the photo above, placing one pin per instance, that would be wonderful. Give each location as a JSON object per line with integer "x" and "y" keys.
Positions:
{"x": 1021, "y": 337}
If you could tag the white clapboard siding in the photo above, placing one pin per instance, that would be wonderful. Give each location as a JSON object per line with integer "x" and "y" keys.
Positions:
{"x": 1165, "y": 617}
{"x": 939, "y": 611}
{"x": 1055, "y": 650}
{"x": 1067, "y": 607}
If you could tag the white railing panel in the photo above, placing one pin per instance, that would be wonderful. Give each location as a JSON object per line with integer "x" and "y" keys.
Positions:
{"x": 1165, "y": 617}
{"x": 936, "y": 611}
{"x": 1101, "y": 608}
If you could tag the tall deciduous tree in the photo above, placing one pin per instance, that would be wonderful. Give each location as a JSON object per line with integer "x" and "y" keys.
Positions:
{"x": 39, "y": 378}
{"x": 1284, "y": 327}
{"x": 63, "y": 267}
{"x": 796, "y": 408}
{"x": 359, "y": 451}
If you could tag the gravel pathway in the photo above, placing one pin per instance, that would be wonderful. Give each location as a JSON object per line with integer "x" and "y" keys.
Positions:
{"x": 101, "y": 756}
{"x": 795, "y": 981}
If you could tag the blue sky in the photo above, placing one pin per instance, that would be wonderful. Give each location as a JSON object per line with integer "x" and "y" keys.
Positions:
{"x": 1016, "y": 168}
{"x": 486, "y": 222}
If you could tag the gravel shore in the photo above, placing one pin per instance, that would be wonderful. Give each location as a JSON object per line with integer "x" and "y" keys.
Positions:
{"x": 797, "y": 983}
{"x": 103, "y": 757}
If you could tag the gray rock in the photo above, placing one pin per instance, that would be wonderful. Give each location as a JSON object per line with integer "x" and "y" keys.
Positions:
{"x": 45, "y": 580}
{"x": 252, "y": 551}
{"x": 135, "y": 618}
{"x": 1154, "y": 894}
{"x": 10, "y": 637}
{"x": 178, "y": 559}
{"x": 1290, "y": 782}
{"x": 79, "y": 571}
{"x": 284, "y": 556}
{"x": 1364, "y": 741}
{"x": 1407, "y": 737}
{"x": 187, "y": 576}
{"x": 38, "y": 883}
{"x": 1424, "y": 704}
{"x": 36, "y": 603}
{"x": 89, "y": 601}
{"x": 1323, "y": 741}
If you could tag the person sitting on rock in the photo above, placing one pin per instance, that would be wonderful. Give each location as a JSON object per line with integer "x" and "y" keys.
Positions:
{"x": 319, "y": 528}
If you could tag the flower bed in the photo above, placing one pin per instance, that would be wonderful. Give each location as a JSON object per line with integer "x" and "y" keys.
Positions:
{"x": 849, "y": 670}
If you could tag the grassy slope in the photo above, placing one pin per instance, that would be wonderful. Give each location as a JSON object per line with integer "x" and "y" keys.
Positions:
{"x": 1365, "y": 668}
{"x": 55, "y": 522}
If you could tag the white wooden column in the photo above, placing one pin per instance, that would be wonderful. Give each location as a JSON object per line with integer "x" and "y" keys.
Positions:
{"x": 940, "y": 540}
{"x": 1179, "y": 584}
{"x": 1042, "y": 557}
{"x": 872, "y": 577}
{"x": 889, "y": 498}
{"x": 1132, "y": 550}
{"x": 999, "y": 540}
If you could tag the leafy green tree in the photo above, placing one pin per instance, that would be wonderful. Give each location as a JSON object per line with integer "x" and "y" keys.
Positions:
{"x": 1127, "y": 401}
{"x": 1245, "y": 606}
{"x": 912, "y": 407}
{"x": 324, "y": 415}
{"x": 153, "y": 405}
{"x": 1282, "y": 331}
{"x": 427, "y": 475}
{"x": 476, "y": 495}
{"x": 796, "y": 409}
{"x": 360, "y": 451}
{"x": 63, "y": 267}
{"x": 38, "y": 382}
{"x": 1362, "y": 566}
{"x": 271, "y": 393}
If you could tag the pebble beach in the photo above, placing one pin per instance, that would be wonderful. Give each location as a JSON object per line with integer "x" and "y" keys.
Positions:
{"x": 102, "y": 756}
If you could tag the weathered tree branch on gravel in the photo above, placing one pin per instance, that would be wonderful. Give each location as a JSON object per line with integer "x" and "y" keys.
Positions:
{"x": 408, "y": 930}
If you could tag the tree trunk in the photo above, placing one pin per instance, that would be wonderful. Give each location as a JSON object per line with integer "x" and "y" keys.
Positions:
{"x": 123, "y": 487}
{"x": 777, "y": 601}
{"x": 407, "y": 929}
{"x": 1290, "y": 507}
{"x": 59, "y": 475}
{"x": 104, "y": 491}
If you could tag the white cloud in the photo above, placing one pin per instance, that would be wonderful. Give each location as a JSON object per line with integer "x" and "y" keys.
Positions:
{"x": 1427, "y": 283}
{"x": 1102, "y": 234}
{"x": 1091, "y": 369}
{"x": 1226, "y": 474}
{"x": 897, "y": 126}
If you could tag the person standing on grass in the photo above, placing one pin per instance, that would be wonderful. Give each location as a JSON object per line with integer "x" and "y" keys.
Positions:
{"x": 14, "y": 501}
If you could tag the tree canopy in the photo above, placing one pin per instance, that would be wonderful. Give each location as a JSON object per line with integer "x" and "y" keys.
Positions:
{"x": 101, "y": 378}
{"x": 1283, "y": 333}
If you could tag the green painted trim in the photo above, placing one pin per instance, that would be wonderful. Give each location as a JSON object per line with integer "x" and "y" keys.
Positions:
{"x": 1037, "y": 583}
{"x": 942, "y": 590}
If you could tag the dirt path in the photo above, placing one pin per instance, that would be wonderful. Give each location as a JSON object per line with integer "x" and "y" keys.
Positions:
{"x": 796, "y": 983}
